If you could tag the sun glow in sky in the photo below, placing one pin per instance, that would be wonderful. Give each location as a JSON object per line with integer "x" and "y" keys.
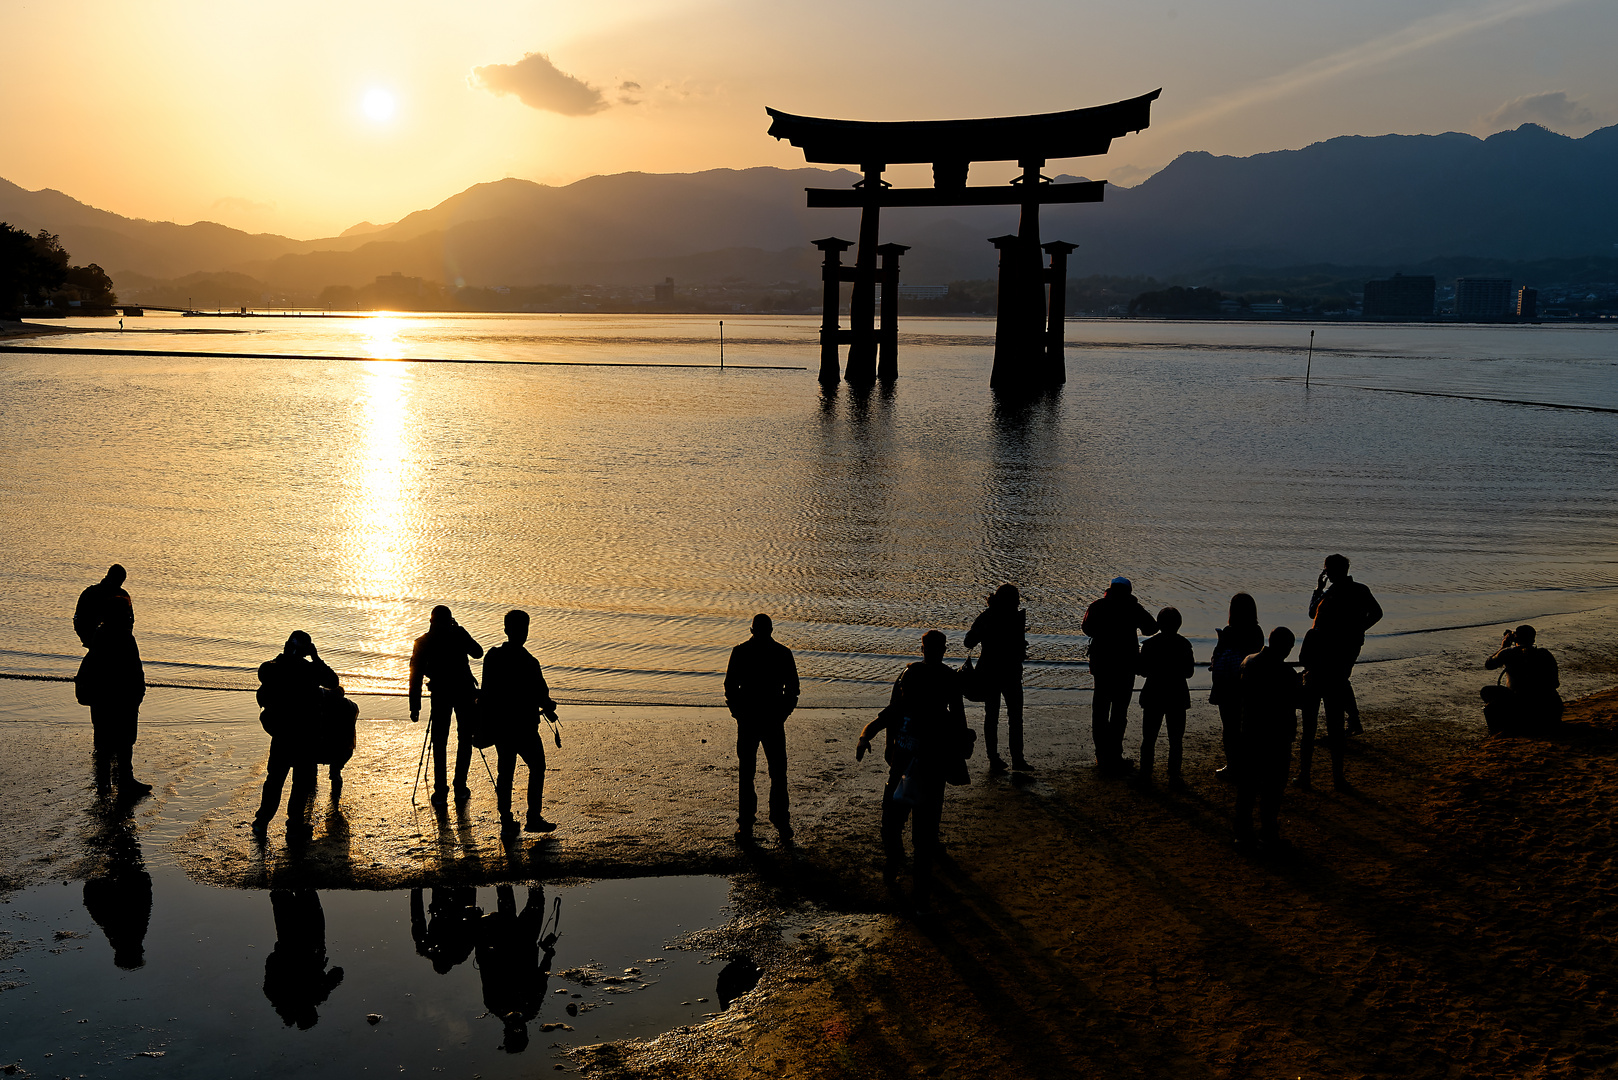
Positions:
{"x": 378, "y": 105}
{"x": 189, "y": 110}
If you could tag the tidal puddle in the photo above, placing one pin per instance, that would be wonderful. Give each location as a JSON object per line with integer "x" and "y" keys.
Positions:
{"x": 220, "y": 983}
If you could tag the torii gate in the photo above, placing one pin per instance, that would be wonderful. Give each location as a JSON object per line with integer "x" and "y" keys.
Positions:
{"x": 1028, "y": 334}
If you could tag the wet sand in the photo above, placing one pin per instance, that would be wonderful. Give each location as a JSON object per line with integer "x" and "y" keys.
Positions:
{"x": 1450, "y": 916}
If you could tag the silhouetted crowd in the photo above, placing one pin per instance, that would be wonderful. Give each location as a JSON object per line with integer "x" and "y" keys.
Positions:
{"x": 1259, "y": 690}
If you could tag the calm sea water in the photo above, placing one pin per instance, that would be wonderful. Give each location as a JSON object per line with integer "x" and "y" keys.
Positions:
{"x": 643, "y": 514}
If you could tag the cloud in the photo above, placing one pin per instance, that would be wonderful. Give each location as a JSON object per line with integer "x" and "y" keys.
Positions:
{"x": 540, "y": 84}
{"x": 1553, "y": 109}
{"x": 626, "y": 88}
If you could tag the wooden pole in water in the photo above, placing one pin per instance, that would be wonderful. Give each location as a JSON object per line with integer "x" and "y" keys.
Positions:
{"x": 721, "y": 344}
{"x": 1309, "y": 367}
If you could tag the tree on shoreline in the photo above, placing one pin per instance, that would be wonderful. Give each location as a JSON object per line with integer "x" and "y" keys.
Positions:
{"x": 35, "y": 268}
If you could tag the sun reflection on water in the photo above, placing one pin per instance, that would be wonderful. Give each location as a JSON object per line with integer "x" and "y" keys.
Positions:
{"x": 382, "y": 335}
{"x": 381, "y": 523}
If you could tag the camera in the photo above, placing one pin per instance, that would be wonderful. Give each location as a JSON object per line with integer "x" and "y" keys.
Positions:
{"x": 1510, "y": 638}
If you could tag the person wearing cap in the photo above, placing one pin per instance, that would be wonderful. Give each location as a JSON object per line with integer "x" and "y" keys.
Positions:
{"x": 761, "y": 690}
{"x": 440, "y": 656}
{"x": 112, "y": 681}
{"x": 290, "y": 694}
{"x": 1113, "y": 624}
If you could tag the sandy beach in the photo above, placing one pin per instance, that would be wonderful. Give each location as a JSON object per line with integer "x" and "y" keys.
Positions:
{"x": 1449, "y": 916}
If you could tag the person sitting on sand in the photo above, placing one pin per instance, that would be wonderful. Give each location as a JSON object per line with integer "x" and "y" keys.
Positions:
{"x": 1271, "y": 691}
{"x": 513, "y": 699}
{"x": 1167, "y": 662}
{"x": 1528, "y": 702}
{"x": 927, "y": 740}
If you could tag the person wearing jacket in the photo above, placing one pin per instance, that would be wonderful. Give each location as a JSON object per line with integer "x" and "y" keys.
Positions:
{"x": 1166, "y": 662}
{"x": 112, "y": 681}
{"x": 927, "y": 738}
{"x": 1002, "y": 631}
{"x": 440, "y": 657}
{"x": 513, "y": 699}
{"x": 1271, "y": 691}
{"x": 1529, "y": 701}
{"x": 290, "y": 694}
{"x": 1112, "y": 624}
{"x": 1343, "y": 610}
{"x": 761, "y": 690}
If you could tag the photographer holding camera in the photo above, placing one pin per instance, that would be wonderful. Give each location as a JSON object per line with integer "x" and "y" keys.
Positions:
{"x": 1528, "y": 702}
{"x": 290, "y": 695}
{"x": 1343, "y": 610}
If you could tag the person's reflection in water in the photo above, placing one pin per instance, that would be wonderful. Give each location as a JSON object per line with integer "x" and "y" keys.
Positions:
{"x": 449, "y": 938}
{"x": 295, "y": 977}
{"x": 119, "y": 895}
{"x": 515, "y": 962}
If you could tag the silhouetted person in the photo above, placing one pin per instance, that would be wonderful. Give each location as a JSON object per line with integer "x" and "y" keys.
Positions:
{"x": 1325, "y": 682}
{"x": 451, "y": 935}
{"x": 295, "y": 977}
{"x": 1529, "y": 701}
{"x": 440, "y": 657}
{"x": 1241, "y": 638}
{"x": 1002, "y": 630}
{"x": 291, "y": 695}
{"x": 515, "y": 962}
{"x": 118, "y": 895}
{"x": 927, "y": 740}
{"x": 111, "y": 681}
{"x": 761, "y": 689}
{"x": 1112, "y": 623}
{"x": 1166, "y": 662}
{"x": 513, "y": 699}
{"x": 1343, "y": 610}
{"x": 1271, "y": 691}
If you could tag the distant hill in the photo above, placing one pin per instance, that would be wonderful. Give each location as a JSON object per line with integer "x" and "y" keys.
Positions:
{"x": 1519, "y": 196}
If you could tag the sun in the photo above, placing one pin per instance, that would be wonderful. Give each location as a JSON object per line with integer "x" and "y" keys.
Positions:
{"x": 378, "y": 105}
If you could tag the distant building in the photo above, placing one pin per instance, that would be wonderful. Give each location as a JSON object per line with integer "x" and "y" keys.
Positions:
{"x": 663, "y": 293}
{"x": 922, "y": 292}
{"x": 1482, "y": 298}
{"x": 1263, "y": 308}
{"x": 1527, "y": 303}
{"x": 1400, "y": 297}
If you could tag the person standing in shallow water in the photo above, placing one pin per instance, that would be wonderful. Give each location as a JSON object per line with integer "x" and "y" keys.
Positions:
{"x": 1112, "y": 623}
{"x": 1167, "y": 662}
{"x": 111, "y": 681}
{"x": 440, "y": 657}
{"x": 513, "y": 699}
{"x": 1002, "y": 630}
{"x": 290, "y": 693}
{"x": 1241, "y": 638}
{"x": 761, "y": 690}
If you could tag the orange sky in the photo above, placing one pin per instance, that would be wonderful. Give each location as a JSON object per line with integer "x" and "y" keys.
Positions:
{"x": 254, "y": 117}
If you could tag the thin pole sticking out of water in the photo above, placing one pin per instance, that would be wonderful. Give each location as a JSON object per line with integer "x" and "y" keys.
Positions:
{"x": 721, "y": 344}
{"x": 1307, "y": 367}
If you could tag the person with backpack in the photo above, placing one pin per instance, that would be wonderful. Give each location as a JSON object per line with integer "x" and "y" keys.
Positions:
{"x": 928, "y": 741}
{"x": 290, "y": 695}
{"x": 112, "y": 681}
{"x": 440, "y": 657}
{"x": 1529, "y": 702}
{"x": 1002, "y": 629}
{"x": 514, "y": 697}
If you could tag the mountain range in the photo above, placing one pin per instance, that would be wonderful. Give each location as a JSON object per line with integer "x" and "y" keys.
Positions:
{"x": 1527, "y": 194}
